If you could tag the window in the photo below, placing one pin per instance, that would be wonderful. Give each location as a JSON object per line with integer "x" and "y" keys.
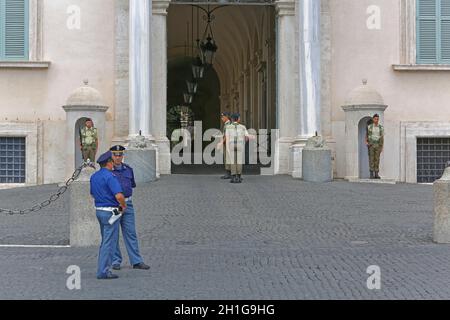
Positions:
{"x": 432, "y": 156}
{"x": 12, "y": 160}
{"x": 14, "y": 29}
{"x": 433, "y": 31}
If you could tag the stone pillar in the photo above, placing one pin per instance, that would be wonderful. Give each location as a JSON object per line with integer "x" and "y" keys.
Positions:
{"x": 84, "y": 227}
{"x": 287, "y": 84}
{"x": 441, "y": 189}
{"x": 140, "y": 68}
{"x": 310, "y": 69}
{"x": 159, "y": 84}
{"x": 309, "y": 53}
{"x": 142, "y": 153}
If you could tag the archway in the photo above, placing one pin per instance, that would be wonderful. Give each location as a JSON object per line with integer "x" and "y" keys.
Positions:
{"x": 243, "y": 77}
{"x": 363, "y": 152}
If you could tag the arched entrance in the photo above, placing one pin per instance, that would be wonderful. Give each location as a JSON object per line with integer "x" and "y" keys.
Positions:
{"x": 364, "y": 172}
{"x": 242, "y": 78}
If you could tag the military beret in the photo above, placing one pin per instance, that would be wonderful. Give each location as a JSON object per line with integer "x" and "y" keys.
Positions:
{"x": 104, "y": 157}
{"x": 225, "y": 114}
{"x": 117, "y": 148}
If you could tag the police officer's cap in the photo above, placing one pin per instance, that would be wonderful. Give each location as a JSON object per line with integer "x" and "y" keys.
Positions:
{"x": 235, "y": 116}
{"x": 104, "y": 158}
{"x": 117, "y": 149}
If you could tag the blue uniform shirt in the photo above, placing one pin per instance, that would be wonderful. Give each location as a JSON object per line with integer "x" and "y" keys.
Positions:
{"x": 104, "y": 187}
{"x": 125, "y": 175}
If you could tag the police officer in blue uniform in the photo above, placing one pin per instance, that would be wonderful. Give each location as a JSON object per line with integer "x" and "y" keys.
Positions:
{"x": 125, "y": 175}
{"x": 107, "y": 192}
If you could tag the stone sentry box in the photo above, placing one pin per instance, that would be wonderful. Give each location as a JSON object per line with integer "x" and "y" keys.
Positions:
{"x": 362, "y": 103}
{"x": 84, "y": 102}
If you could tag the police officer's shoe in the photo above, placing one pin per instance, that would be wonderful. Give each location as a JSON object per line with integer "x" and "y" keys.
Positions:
{"x": 141, "y": 266}
{"x": 116, "y": 266}
{"x": 227, "y": 176}
{"x": 371, "y": 175}
{"x": 109, "y": 276}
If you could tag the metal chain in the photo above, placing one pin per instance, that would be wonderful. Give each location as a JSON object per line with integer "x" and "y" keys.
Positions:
{"x": 52, "y": 198}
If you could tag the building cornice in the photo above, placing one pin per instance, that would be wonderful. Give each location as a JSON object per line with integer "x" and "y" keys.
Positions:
{"x": 159, "y": 7}
{"x": 285, "y": 8}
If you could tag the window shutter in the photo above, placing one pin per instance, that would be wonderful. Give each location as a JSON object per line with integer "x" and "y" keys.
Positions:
{"x": 15, "y": 29}
{"x": 445, "y": 31}
{"x": 427, "y": 31}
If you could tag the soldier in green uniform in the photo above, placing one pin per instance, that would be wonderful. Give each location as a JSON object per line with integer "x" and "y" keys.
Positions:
{"x": 375, "y": 142}
{"x": 89, "y": 141}
{"x": 225, "y": 117}
{"x": 236, "y": 135}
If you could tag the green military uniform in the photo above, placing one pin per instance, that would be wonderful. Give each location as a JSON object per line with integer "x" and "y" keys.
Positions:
{"x": 89, "y": 139}
{"x": 236, "y": 134}
{"x": 375, "y": 138}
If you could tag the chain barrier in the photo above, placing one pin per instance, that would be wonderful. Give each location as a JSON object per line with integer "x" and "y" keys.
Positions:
{"x": 53, "y": 197}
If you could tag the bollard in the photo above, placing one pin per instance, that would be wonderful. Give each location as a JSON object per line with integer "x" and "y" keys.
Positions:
{"x": 441, "y": 191}
{"x": 84, "y": 227}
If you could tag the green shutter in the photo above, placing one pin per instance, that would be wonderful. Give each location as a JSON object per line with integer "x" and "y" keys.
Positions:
{"x": 2, "y": 29}
{"x": 14, "y": 37}
{"x": 433, "y": 31}
{"x": 445, "y": 32}
{"x": 427, "y": 31}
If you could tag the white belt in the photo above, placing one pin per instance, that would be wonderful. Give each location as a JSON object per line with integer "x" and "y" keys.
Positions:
{"x": 110, "y": 209}
{"x": 128, "y": 199}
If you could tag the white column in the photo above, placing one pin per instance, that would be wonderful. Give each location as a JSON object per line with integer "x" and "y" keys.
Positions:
{"x": 287, "y": 83}
{"x": 159, "y": 83}
{"x": 310, "y": 68}
{"x": 140, "y": 68}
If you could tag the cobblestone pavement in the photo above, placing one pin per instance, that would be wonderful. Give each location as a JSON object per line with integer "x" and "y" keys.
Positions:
{"x": 269, "y": 238}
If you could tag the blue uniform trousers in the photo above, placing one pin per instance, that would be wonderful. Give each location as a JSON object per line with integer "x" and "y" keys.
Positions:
{"x": 110, "y": 236}
{"x": 127, "y": 223}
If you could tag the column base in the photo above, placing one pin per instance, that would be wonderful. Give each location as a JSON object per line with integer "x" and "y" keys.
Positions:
{"x": 142, "y": 156}
{"x": 296, "y": 157}
{"x": 164, "y": 155}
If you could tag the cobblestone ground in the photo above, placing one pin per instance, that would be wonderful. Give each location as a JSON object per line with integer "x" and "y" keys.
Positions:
{"x": 269, "y": 238}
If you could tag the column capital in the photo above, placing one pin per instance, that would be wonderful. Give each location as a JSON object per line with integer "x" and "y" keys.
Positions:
{"x": 285, "y": 7}
{"x": 160, "y": 7}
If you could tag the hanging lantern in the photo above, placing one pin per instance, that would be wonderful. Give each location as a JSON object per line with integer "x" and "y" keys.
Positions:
{"x": 192, "y": 87}
{"x": 188, "y": 98}
{"x": 198, "y": 69}
{"x": 208, "y": 49}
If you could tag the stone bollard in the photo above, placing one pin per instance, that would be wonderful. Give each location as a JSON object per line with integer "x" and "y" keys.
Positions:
{"x": 316, "y": 161}
{"x": 441, "y": 190}
{"x": 84, "y": 227}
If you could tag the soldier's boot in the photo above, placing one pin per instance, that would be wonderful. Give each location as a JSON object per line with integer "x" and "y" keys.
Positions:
{"x": 376, "y": 175}
{"x": 371, "y": 175}
{"x": 227, "y": 175}
{"x": 233, "y": 179}
{"x": 239, "y": 178}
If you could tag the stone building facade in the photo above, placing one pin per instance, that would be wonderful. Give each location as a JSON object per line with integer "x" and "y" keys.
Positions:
{"x": 292, "y": 65}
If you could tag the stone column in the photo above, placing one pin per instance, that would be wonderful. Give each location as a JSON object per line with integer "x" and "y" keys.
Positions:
{"x": 287, "y": 84}
{"x": 309, "y": 53}
{"x": 140, "y": 69}
{"x": 310, "y": 69}
{"x": 142, "y": 153}
{"x": 441, "y": 190}
{"x": 159, "y": 84}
